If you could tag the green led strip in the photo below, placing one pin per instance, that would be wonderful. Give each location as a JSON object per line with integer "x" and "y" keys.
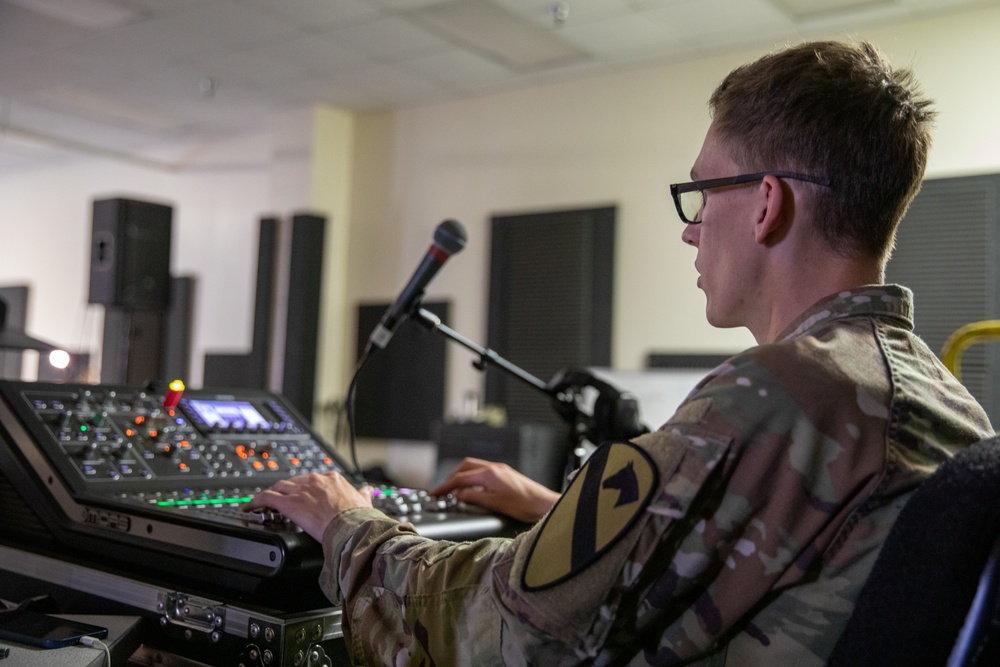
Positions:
{"x": 203, "y": 501}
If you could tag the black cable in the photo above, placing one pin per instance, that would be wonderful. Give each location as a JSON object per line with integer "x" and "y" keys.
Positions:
{"x": 349, "y": 413}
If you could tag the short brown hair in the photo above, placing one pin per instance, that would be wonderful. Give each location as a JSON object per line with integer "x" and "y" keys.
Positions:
{"x": 836, "y": 110}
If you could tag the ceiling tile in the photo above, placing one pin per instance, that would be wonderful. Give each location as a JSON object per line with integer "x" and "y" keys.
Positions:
{"x": 390, "y": 38}
{"x": 312, "y": 90}
{"x": 497, "y": 33}
{"x": 246, "y": 67}
{"x": 77, "y": 127}
{"x": 803, "y": 10}
{"x": 26, "y": 77}
{"x": 750, "y": 21}
{"x": 320, "y": 14}
{"x": 89, "y": 14}
{"x": 24, "y": 33}
{"x": 543, "y": 13}
{"x": 315, "y": 54}
{"x": 623, "y": 38}
{"x": 460, "y": 70}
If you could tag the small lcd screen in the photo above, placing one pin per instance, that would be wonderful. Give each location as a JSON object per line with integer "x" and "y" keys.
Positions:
{"x": 227, "y": 413}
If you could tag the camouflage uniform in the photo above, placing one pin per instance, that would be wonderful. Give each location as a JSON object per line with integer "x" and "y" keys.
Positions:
{"x": 739, "y": 533}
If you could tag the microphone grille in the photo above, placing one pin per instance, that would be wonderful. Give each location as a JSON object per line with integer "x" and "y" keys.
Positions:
{"x": 451, "y": 236}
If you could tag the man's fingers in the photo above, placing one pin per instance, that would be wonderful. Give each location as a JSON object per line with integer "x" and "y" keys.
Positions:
{"x": 474, "y": 495}
{"x": 458, "y": 480}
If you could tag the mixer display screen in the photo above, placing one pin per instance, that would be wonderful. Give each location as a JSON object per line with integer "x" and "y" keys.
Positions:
{"x": 225, "y": 414}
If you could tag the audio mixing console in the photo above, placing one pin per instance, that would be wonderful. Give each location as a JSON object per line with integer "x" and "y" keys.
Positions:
{"x": 146, "y": 477}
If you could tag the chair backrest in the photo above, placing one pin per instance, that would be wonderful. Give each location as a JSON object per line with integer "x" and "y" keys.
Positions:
{"x": 979, "y": 640}
{"x": 921, "y": 592}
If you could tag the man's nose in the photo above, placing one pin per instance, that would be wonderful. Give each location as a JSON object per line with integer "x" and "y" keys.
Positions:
{"x": 691, "y": 234}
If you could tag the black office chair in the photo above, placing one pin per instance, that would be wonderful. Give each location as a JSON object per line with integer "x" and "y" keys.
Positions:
{"x": 932, "y": 597}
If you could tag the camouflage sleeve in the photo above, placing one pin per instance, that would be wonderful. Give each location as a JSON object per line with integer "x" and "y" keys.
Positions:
{"x": 407, "y": 599}
{"x": 670, "y": 537}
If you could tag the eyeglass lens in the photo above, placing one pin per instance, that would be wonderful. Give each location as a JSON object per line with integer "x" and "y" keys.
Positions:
{"x": 691, "y": 203}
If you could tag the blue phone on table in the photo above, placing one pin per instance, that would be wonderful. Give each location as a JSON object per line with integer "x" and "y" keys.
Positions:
{"x": 30, "y": 628}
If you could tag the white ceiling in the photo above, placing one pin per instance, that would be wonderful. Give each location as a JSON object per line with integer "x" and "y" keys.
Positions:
{"x": 123, "y": 76}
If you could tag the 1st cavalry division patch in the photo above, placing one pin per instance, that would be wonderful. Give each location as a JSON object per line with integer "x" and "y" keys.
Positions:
{"x": 608, "y": 494}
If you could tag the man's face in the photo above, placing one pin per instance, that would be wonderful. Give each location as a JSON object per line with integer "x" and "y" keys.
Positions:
{"x": 727, "y": 252}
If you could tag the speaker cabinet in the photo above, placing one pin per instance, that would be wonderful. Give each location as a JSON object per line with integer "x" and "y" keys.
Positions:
{"x": 130, "y": 254}
{"x": 305, "y": 281}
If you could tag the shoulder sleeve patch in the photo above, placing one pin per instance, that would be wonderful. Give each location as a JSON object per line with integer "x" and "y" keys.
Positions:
{"x": 607, "y": 496}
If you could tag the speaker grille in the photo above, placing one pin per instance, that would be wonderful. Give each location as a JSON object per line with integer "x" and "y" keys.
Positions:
{"x": 130, "y": 254}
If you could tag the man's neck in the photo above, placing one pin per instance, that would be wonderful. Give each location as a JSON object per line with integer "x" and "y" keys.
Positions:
{"x": 795, "y": 295}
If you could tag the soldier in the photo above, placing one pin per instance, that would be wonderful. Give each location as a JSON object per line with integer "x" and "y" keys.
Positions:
{"x": 742, "y": 530}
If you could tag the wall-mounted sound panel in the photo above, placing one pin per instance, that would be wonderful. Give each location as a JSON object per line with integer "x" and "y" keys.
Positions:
{"x": 948, "y": 252}
{"x": 551, "y": 291}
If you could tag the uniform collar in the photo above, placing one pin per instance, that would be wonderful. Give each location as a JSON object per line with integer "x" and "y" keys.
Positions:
{"x": 893, "y": 302}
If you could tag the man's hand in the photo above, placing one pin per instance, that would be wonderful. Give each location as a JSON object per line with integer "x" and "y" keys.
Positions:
{"x": 498, "y": 487}
{"x": 311, "y": 501}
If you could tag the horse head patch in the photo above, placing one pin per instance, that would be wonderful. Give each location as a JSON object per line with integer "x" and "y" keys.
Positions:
{"x": 607, "y": 496}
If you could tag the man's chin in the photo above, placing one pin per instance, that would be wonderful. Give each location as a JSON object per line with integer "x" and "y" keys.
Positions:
{"x": 718, "y": 321}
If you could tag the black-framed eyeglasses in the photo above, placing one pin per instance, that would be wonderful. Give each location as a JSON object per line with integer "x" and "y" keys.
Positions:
{"x": 689, "y": 198}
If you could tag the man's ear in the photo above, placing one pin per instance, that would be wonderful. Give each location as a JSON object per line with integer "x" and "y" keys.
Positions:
{"x": 774, "y": 214}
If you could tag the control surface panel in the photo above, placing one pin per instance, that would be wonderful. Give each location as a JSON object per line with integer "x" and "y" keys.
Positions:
{"x": 111, "y": 437}
{"x": 169, "y": 472}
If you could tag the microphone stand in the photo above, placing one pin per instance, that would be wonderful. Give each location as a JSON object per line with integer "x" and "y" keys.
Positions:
{"x": 564, "y": 402}
{"x": 486, "y": 355}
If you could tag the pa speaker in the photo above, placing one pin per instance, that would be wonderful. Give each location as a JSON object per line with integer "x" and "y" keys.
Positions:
{"x": 130, "y": 254}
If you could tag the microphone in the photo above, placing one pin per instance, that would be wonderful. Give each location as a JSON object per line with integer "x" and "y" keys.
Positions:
{"x": 449, "y": 238}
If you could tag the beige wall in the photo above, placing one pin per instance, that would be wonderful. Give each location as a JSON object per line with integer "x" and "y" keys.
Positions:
{"x": 386, "y": 180}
